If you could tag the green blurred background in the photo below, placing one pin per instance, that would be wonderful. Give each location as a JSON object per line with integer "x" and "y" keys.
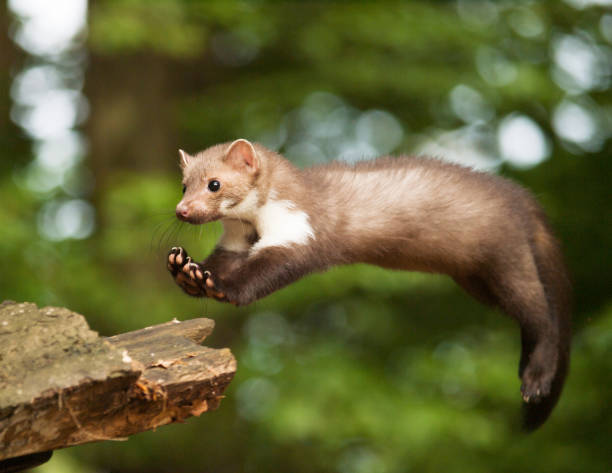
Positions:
{"x": 359, "y": 370}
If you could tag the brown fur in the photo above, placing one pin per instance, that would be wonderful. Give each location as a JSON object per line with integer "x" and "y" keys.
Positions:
{"x": 486, "y": 232}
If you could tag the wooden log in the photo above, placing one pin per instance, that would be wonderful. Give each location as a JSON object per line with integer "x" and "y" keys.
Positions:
{"x": 61, "y": 384}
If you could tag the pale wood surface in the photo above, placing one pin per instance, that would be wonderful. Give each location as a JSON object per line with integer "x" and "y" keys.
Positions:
{"x": 61, "y": 384}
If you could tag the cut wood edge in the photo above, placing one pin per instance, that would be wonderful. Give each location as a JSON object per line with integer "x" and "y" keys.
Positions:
{"x": 195, "y": 330}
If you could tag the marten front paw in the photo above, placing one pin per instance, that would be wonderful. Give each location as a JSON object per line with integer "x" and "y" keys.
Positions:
{"x": 176, "y": 260}
{"x": 215, "y": 290}
{"x": 188, "y": 275}
{"x": 222, "y": 291}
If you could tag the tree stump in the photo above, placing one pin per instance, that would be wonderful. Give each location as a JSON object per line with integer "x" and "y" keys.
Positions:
{"x": 61, "y": 384}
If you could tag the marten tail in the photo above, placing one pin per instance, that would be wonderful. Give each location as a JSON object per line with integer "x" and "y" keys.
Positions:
{"x": 557, "y": 288}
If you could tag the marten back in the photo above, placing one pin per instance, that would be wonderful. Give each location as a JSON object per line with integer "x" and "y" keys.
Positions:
{"x": 417, "y": 213}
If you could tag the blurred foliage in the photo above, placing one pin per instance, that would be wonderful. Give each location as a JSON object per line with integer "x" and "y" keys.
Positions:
{"x": 359, "y": 369}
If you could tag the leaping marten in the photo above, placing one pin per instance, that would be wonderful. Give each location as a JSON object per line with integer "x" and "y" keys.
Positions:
{"x": 281, "y": 223}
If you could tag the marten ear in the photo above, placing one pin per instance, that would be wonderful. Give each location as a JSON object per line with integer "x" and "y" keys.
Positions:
{"x": 241, "y": 155}
{"x": 184, "y": 159}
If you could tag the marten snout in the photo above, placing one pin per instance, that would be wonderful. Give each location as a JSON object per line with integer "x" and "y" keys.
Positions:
{"x": 182, "y": 212}
{"x": 195, "y": 212}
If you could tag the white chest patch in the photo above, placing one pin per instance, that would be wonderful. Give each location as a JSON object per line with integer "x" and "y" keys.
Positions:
{"x": 280, "y": 223}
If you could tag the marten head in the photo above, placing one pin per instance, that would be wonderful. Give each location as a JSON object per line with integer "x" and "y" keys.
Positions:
{"x": 219, "y": 183}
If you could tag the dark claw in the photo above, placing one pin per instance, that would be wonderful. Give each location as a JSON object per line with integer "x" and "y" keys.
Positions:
{"x": 176, "y": 260}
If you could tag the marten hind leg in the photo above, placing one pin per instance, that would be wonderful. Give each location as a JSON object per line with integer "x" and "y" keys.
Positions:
{"x": 521, "y": 295}
{"x": 477, "y": 287}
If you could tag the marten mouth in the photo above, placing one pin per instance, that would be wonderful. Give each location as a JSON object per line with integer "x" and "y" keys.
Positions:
{"x": 198, "y": 219}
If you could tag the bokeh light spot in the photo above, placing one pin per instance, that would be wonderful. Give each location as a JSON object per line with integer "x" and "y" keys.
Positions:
{"x": 522, "y": 142}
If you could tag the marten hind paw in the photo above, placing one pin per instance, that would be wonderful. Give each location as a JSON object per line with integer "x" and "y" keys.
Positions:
{"x": 537, "y": 383}
{"x": 539, "y": 373}
{"x": 534, "y": 392}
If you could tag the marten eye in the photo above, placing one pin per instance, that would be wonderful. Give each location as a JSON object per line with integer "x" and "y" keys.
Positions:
{"x": 214, "y": 185}
{"x": 184, "y": 188}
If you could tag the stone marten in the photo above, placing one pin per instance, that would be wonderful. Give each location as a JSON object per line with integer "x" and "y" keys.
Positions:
{"x": 416, "y": 214}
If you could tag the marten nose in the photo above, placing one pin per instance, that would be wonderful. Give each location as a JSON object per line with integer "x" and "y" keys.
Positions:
{"x": 182, "y": 212}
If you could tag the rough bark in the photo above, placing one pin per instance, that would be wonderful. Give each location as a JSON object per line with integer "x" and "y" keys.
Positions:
{"x": 61, "y": 384}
